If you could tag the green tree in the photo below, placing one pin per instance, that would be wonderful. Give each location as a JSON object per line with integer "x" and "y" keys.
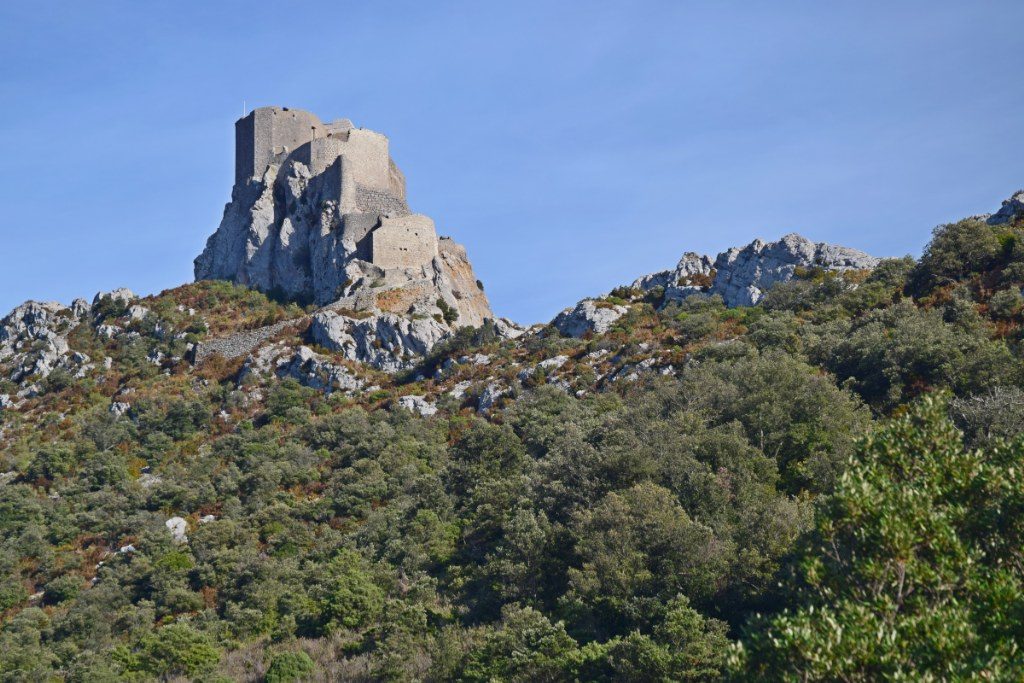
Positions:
{"x": 915, "y": 570}
{"x": 686, "y": 646}
{"x": 177, "y": 649}
{"x": 956, "y": 251}
{"x": 352, "y": 599}
{"x": 286, "y": 667}
{"x": 526, "y": 647}
{"x": 637, "y": 549}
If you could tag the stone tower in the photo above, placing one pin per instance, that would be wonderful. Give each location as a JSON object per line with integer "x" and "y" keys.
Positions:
{"x": 318, "y": 213}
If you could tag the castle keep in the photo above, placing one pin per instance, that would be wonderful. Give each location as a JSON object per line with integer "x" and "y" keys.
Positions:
{"x": 359, "y": 174}
{"x": 318, "y": 212}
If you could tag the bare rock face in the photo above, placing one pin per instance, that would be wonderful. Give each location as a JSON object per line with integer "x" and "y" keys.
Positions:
{"x": 386, "y": 341}
{"x": 417, "y": 404}
{"x": 33, "y": 341}
{"x": 742, "y": 275}
{"x": 302, "y": 364}
{"x": 588, "y": 316}
{"x": 318, "y": 213}
{"x": 1011, "y": 210}
{"x": 177, "y": 527}
{"x": 692, "y": 275}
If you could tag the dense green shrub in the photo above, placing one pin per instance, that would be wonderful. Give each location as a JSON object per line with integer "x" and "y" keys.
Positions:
{"x": 957, "y": 251}
{"x": 177, "y": 649}
{"x": 286, "y": 667}
{"x": 1006, "y": 303}
{"x": 351, "y": 598}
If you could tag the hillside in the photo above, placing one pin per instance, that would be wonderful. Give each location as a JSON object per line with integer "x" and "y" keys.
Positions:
{"x": 819, "y": 481}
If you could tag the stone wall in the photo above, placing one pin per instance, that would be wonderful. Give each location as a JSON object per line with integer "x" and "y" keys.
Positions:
{"x": 369, "y": 159}
{"x": 240, "y": 343}
{"x": 320, "y": 153}
{"x": 272, "y": 134}
{"x": 266, "y": 132}
{"x": 356, "y": 228}
{"x": 403, "y": 242}
{"x": 369, "y": 200}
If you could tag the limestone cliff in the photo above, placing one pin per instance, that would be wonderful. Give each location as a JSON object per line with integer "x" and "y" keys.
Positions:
{"x": 318, "y": 214}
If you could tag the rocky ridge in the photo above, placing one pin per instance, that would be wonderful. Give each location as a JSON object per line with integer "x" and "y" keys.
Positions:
{"x": 34, "y": 340}
{"x": 339, "y": 347}
{"x": 34, "y": 337}
{"x": 741, "y": 275}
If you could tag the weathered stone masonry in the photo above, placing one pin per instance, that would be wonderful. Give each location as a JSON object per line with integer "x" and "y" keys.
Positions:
{"x": 318, "y": 213}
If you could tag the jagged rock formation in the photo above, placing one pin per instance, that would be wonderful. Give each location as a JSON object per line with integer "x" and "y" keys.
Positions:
{"x": 318, "y": 213}
{"x": 742, "y": 275}
{"x": 34, "y": 340}
{"x": 1011, "y": 210}
{"x": 303, "y": 364}
{"x": 692, "y": 275}
{"x": 386, "y": 341}
{"x": 417, "y": 404}
{"x": 588, "y": 316}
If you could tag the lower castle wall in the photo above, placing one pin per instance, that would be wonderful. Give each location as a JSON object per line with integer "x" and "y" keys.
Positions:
{"x": 403, "y": 242}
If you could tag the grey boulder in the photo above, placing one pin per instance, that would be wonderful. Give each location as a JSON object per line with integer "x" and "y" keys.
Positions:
{"x": 588, "y": 316}
{"x": 386, "y": 341}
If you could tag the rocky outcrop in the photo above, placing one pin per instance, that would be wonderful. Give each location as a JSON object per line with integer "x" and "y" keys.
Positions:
{"x": 33, "y": 341}
{"x": 177, "y": 527}
{"x": 588, "y": 316}
{"x": 386, "y": 341}
{"x": 304, "y": 365}
{"x": 508, "y": 329}
{"x": 742, "y": 275}
{"x": 693, "y": 274}
{"x": 313, "y": 370}
{"x": 1011, "y": 210}
{"x": 121, "y": 295}
{"x": 34, "y": 337}
{"x": 417, "y": 404}
{"x": 323, "y": 216}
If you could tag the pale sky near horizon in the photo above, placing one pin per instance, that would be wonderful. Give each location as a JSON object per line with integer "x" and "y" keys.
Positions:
{"x": 571, "y": 146}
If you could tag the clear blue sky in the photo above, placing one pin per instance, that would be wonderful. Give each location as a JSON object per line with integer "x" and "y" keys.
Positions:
{"x": 571, "y": 146}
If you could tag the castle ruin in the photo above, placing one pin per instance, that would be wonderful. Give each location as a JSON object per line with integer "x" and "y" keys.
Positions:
{"x": 319, "y": 213}
{"x": 360, "y": 176}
